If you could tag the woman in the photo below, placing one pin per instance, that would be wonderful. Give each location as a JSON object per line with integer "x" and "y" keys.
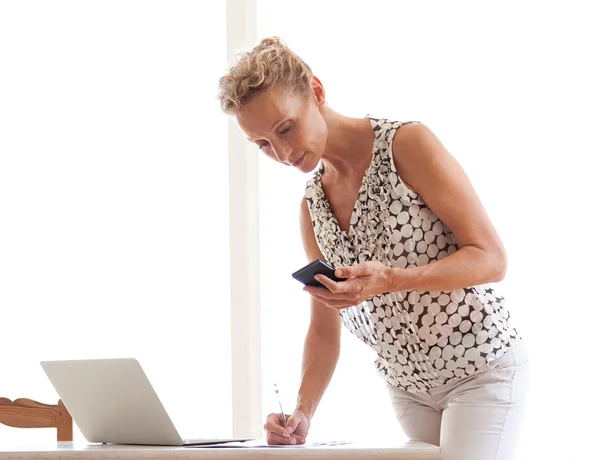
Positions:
{"x": 396, "y": 215}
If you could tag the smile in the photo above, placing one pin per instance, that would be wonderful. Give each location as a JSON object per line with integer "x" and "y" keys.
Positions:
{"x": 297, "y": 162}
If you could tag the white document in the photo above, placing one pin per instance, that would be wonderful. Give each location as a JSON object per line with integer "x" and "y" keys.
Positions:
{"x": 260, "y": 444}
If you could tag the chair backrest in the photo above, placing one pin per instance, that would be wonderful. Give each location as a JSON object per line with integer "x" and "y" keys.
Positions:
{"x": 26, "y": 413}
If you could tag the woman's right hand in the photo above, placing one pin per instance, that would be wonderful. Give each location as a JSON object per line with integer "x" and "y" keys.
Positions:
{"x": 294, "y": 432}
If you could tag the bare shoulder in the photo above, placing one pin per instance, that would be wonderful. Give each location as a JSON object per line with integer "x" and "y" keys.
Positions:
{"x": 416, "y": 150}
{"x": 412, "y": 137}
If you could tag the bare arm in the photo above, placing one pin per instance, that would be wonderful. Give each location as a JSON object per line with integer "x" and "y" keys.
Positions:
{"x": 322, "y": 344}
{"x": 427, "y": 167}
{"x": 321, "y": 352}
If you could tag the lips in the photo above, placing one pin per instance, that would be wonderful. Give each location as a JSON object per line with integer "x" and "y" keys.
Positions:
{"x": 299, "y": 160}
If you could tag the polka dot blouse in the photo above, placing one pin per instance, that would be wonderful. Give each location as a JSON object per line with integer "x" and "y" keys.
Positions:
{"x": 423, "y": 339}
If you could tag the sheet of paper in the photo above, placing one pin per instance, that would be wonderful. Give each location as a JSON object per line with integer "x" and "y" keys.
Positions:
{"x": 260, "y": 444}
{"x": 201, "y": 442}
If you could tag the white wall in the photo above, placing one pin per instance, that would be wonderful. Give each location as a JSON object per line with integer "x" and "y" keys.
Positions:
{"x": 512, "y": 92}
{"x": 114, "y": 236}
{"x": 110, "y": 140}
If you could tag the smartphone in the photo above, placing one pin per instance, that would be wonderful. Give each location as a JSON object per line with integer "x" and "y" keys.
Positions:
{"x": 307, "y": 273}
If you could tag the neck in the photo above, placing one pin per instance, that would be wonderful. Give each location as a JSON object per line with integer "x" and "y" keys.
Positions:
{"x": 349, "y": 147}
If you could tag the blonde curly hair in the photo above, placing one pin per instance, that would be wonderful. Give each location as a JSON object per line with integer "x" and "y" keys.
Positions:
{"x": 270, "y": 64}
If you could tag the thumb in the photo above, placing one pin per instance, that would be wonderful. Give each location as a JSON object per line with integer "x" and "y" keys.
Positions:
{"x": 292, "y": 422}
{"x": 350, "y": 272}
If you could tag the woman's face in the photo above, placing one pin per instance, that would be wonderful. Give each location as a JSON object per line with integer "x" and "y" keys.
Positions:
{"x": 287, "y": 127}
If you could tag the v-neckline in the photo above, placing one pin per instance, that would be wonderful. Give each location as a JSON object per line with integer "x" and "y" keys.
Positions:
{"x": 361, "y": 190}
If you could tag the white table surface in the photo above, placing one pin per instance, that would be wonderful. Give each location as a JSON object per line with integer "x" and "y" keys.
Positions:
{"x": 70, "y": 450}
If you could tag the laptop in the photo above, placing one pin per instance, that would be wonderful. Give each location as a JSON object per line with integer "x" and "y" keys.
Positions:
{"x": 112, "y": 401}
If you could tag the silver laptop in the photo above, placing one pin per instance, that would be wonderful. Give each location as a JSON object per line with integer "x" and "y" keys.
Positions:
{"x": 112, "y": 401}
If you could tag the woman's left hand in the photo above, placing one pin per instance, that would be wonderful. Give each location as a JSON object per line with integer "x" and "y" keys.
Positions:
{"x": 364, "y": 281}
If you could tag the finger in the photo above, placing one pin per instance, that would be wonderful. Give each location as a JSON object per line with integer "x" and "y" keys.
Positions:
{"x": 276, "y": 429}
{"x": 337, "y": 287}
{"x": 274, "y": 425}
{"x": 275, "y": 417}
{"x": 316, "y": 290}
{"x": 334, "y": 302}
{"x": 351, "y": 286}
{"x": 351, "y": 299}
{"x": 340, "y": 307}
{"x": 296, "y": 437}
{"x": 337, "y": 305}
{"x": 292, "y": 423}
{"x": 345, "y": 272}
{"x": 361, "y": 269}
{"x": 328, "y": 283}
{"x": 299, "y": 439}
{"x": 273, "y": 438}
{"x": 348, "y": 291}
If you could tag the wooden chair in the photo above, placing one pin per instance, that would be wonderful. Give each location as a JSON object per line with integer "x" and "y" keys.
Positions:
{"x": 26, "y": 413}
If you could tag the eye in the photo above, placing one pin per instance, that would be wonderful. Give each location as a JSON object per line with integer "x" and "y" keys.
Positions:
{"x": 286, "y": 129}
{"x": 262, "y": 146}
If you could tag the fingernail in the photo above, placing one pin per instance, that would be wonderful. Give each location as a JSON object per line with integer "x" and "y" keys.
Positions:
{"x": 338, "y": 273}
{"x": 290, "y": 429}
{"x": 292, "y": 441}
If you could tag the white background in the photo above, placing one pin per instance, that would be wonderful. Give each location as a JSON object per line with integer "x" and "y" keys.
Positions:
{"x": 113, "y": 192}
{"x": 114, "y": 236}
{"x": 511, "y": 90}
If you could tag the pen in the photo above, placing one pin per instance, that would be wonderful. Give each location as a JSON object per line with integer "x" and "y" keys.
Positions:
{"x": 280, "y": 406}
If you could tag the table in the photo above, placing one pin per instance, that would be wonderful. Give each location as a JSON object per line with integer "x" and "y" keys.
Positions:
{"x": 69, "y": 450}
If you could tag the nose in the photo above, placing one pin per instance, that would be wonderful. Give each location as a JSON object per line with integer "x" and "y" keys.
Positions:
{"x": 282, "y": 151}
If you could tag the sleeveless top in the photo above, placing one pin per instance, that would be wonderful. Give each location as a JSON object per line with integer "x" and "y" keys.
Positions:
{"x": 423, "y": 339}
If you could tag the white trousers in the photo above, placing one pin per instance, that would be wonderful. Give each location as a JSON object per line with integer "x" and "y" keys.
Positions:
{"x": 474, "y": 418}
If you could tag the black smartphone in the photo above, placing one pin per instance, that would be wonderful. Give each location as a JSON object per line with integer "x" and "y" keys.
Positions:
{"x": 306, "y": 275}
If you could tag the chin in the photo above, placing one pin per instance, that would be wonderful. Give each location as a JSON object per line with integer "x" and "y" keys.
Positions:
{"x": 309, "y": 163}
